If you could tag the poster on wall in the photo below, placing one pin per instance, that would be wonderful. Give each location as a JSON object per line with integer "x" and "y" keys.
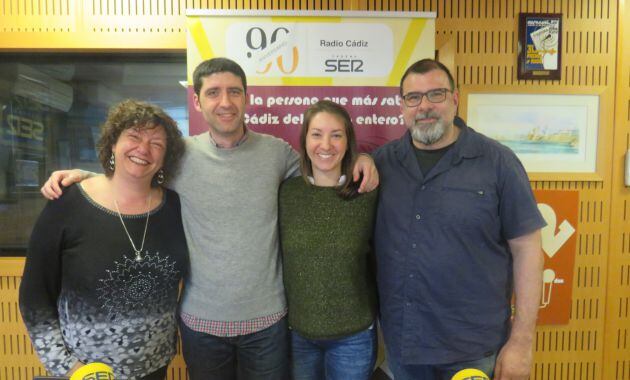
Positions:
{"x": 559, "y": 240}
{"x": 293, "y": 59}
{"x": 540, "y": 45}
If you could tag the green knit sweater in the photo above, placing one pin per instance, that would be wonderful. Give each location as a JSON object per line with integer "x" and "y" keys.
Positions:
{"x": 327, "y": 259}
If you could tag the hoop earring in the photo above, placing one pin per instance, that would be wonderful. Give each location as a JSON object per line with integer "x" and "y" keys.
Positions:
{"x": 160, "y": 177}
{"x": 112, "y": 163}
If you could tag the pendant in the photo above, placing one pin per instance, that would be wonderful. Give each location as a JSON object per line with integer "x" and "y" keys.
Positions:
{"x": 138, "y": 256}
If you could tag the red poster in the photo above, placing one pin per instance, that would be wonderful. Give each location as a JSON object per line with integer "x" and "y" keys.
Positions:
{"x": 559, "y": 237}
{"x": 279, "y": 111}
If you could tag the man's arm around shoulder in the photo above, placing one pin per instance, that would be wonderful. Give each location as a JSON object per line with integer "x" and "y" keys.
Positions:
{"x": 52, "y": 188}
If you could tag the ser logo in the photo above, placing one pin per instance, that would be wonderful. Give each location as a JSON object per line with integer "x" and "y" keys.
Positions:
{"x": 344, "y": 65}
{"x": 25, "y": 128}
{"x": 270, "y": 49}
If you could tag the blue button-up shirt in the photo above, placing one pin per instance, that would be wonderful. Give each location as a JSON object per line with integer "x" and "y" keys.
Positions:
{"x": 444, "y": 264}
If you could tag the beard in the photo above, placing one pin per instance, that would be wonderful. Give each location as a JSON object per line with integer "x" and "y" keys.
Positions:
{"x": 428, "y": 134}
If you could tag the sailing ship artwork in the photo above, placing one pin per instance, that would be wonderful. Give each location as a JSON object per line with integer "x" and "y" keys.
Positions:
{"x": 544, "y": 140}
{"x": 547, "y": 132}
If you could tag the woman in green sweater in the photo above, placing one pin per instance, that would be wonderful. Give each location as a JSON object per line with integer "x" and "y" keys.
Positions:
{"x": 325, "y": 230}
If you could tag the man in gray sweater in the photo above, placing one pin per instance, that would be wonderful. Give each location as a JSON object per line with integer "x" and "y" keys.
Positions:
{"x": 233, "y": 307}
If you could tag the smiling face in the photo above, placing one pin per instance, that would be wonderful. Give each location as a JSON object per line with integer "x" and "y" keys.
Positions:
{"x": 139, "y": 153}
{"x": 431, "y": 124}
{"x": 222, "y": 101}
{"x": 326, "y": 145}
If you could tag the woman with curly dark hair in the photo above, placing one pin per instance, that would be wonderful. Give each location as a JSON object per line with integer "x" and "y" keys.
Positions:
{"x": 102, "y": 274}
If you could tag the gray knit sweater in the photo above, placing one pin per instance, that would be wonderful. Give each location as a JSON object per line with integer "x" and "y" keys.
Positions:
{"x": 326, "y": 254}
{"x": 229, "y": 201}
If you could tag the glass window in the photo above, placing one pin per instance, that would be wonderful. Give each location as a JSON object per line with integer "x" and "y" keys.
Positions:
{"x": 51, "y": 109}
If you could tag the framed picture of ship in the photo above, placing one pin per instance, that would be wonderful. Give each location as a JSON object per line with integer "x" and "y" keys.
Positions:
{"x": 549, "y": 133}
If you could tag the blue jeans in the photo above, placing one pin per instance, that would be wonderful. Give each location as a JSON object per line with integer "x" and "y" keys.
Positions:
{"x": 439, "y": 371}
{"x": 351, "y": 357}
{"x": 262, "y": 355}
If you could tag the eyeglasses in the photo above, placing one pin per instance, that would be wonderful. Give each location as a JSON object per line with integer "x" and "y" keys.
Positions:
{"x": 437, "y": 95}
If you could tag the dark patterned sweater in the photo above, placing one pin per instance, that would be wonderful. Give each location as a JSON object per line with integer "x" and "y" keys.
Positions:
{"x": 327, "y": 259}
{"x": 83, "y": 295}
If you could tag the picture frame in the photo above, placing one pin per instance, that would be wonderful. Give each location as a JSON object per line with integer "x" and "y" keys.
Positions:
{"x": 539, "y": 46}
{"x": 555, "y": 136}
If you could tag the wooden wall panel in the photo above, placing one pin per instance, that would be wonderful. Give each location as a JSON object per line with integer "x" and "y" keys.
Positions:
{"x": 47, "y": 16}
{"x": 485, "y": 59}
{"x": 17, "y": 357}
{"x": 617, "y": 312}
{"x": 481, "y": 38}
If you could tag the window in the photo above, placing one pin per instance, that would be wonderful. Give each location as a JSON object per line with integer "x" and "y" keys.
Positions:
{"x": 51, "y": 109}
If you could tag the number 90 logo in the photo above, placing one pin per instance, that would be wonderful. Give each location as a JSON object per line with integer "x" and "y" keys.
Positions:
{"x": 256, "y": 39}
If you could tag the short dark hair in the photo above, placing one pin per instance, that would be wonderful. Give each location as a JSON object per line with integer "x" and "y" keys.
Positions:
{"x": 424, "y": 66}
{"x": 217, "y": 65}
{"x": 350, "y": 189}
{"x": 132, "y": 113}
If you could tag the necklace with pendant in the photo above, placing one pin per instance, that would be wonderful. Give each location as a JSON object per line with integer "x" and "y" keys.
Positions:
{"x": 138, "y": 252}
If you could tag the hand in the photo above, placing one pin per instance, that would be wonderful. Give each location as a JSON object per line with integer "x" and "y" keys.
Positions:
{"x": 52, "y": 188}
{"x": 365, "y": 165}
{"x": 514, "y": 361}
{"x": 74, "y": 368}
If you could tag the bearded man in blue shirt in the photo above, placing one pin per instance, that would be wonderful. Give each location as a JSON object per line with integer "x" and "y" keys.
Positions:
{"x": 457, "y": 233}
